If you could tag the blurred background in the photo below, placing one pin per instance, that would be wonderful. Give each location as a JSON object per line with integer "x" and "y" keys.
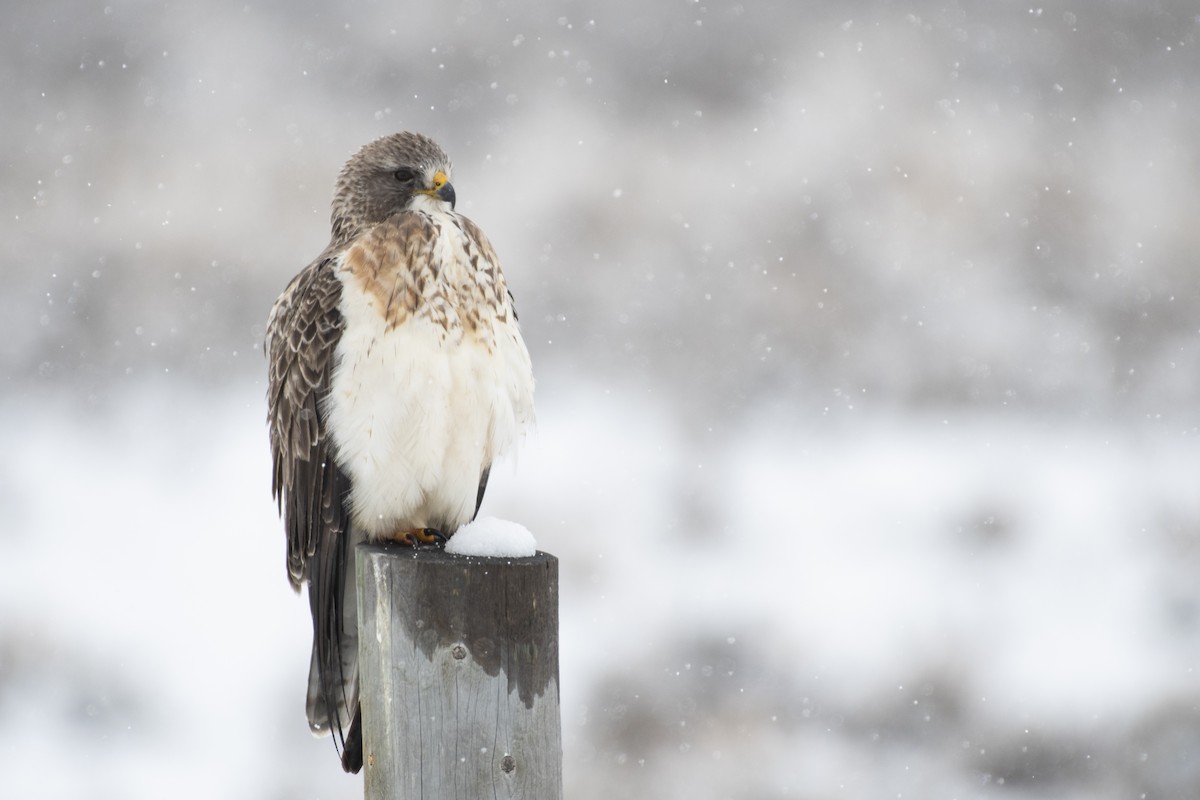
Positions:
{"x": 867, "y": 338}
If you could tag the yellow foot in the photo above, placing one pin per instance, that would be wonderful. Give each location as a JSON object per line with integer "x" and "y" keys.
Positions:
{"x": 416, "y": 537}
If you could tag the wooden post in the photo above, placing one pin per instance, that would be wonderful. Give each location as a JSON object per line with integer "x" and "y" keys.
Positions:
{"x": 458, "y": 674}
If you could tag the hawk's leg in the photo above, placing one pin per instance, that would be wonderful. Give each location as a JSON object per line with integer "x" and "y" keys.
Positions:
{"x": 420, "y": 537}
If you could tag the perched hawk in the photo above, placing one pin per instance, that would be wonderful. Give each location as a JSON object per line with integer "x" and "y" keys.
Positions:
{"x": 397, "y": 375}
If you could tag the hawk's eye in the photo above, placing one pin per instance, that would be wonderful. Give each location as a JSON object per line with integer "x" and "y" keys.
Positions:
{"x": 405, "y": 175}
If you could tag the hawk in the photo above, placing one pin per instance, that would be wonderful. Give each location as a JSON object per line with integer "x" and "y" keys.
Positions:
{"x": 397, "y": 375}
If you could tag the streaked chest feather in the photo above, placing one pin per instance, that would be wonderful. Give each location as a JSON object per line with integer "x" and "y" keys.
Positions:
{"x": 435, "y": 267}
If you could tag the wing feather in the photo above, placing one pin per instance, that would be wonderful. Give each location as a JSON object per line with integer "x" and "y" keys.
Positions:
{"x": 302, "y": 335}
{"x": 310, "y": 489}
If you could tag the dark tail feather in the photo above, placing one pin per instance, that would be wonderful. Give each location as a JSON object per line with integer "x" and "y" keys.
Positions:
{"x": 483, "y": 479}
{"x": 352, "y": 747}
{"x": 333, "y": 681}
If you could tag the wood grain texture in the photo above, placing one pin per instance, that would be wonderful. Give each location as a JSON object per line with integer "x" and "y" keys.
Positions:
{"x": 458, "y": 663}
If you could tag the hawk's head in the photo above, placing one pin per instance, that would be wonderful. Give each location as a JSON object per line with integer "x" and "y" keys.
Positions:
{"x": 386, "y": 176}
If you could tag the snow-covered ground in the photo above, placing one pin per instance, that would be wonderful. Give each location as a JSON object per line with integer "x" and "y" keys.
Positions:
{"x": 878, "y": 605}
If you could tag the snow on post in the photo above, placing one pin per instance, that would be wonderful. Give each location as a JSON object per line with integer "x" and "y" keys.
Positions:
{"x": 489, "y": 536}
{"x": 458, "y": 670}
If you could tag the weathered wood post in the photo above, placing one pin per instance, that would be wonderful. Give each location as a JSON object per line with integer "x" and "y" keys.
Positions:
{"x": 458, "y": 672}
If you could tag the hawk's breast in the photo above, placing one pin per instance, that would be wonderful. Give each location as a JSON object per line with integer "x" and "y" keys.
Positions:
{"x": 432, "y": 380}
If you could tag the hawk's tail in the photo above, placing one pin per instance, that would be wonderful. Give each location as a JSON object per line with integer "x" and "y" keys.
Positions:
{"x": 332, "y": 702}
{"x": 346, "y": 727}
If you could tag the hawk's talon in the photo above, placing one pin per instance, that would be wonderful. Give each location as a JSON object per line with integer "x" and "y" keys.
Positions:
{"x": 421, "y": 537}
{"x": 436, "y": 537}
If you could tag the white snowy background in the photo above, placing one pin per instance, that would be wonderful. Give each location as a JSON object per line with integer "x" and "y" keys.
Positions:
{"x": 868, "y": 347}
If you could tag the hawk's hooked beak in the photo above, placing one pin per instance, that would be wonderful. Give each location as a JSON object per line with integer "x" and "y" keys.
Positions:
{"x": 442, "y": 188}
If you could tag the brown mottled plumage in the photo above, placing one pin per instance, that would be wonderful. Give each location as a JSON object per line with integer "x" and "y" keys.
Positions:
{"x": 397, "y": 375}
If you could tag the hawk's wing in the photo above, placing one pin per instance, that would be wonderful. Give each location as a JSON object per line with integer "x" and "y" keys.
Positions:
{"x": 302, "y": 335}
